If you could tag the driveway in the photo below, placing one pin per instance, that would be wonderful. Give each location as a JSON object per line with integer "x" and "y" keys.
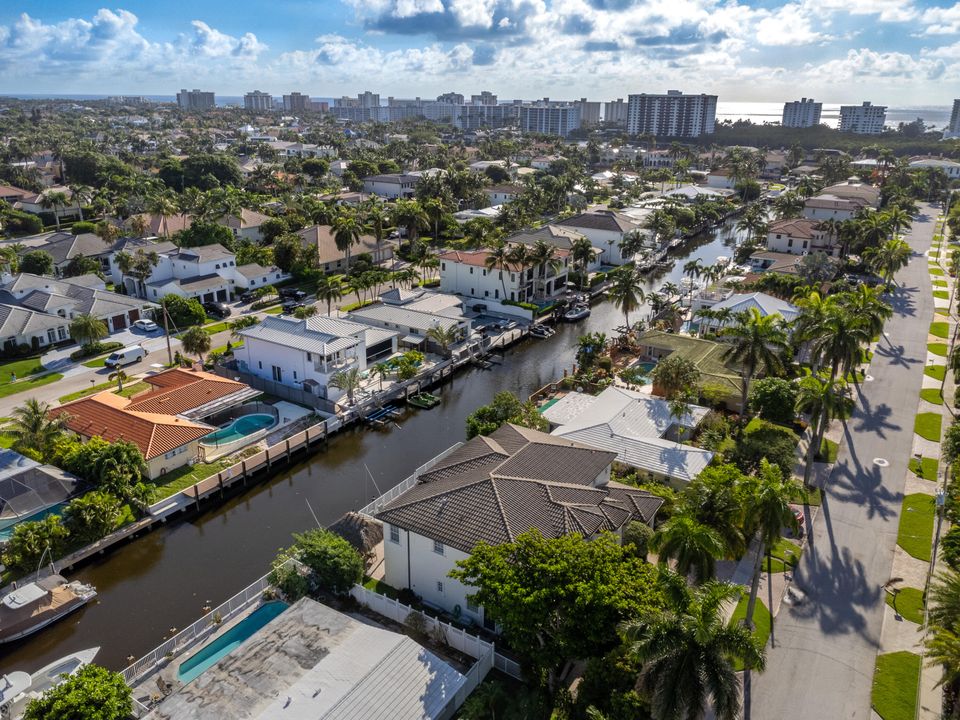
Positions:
{"x": 824, "y": 648}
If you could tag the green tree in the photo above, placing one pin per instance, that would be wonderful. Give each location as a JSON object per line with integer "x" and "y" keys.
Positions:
{"x": 693, "y": 546}
{"x": 627, "y": 292}
{"x": 504, "y": 408}
{"x": 37, "y": 262}
{"x": 676, "y": 376}
{"x": 774, "y": 399}
{"x": 558, "y": 598}
{"x": 81, "y": 265}
{"x": 92, "y": 693}
{"x": 757, "y": 343}
{"x": 335, "y": 565}
{"x": 888, "y": 259}
{"x": 347, "y": 231}
{"x": 93, "y": 515}
{"x": 637, "y": 535}
{"x": 824, "y": 399}
{"x": 444, "y": 337}
{"x": 346, "y": 380}
{"x": 30, "y": 540}
{"x": 34, "y": 431}
{"x": 687, "y": 651}
{"x": 120, "y": 376}
{"x": 183, "y": 312}
{"x": 196, "y": 342}
{"x": 87, "y": 329}
{"x": 288, "y": 252}
{"x": 329, "y": 290}
{"x": 116, "y": 467}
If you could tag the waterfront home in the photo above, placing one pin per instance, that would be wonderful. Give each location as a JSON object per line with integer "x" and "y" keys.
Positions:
{"x": 311, "y": 661}
{"x": 491, "y": 489}
{"x": 330, "y": 258}
{"x": 842, "y": 201}
{"x": 801, "y": 236}
{"x": 413, "y": 313}
{"x": 766, "y": 261}
{"x": 36, "y": 310}
{"x": 562, "y": 238}
{"x": 639, "y": 428}
{"x": 738, "y": 303}
{"x": 391, "y": 185}
{"x": 465, "y": 272}
{"x": 306, "y": 354}
{"x": 28, "y": 487}
{"x": 64, "y": 247}
{"x": 721, "y": 179}
{"x": 606, "y": 230}
{"x": 163, "y": 422}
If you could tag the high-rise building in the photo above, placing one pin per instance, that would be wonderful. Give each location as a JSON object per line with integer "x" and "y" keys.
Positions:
{"x": 195, "y": 99}
{"x": 671, "y": 115}
{"x": 484, "y": 98}
{"x": 801, "y": 113}
{"x": 296, "y": 102}
{"x": 589, "y": 112}
{"x": 368, "y": 99}
{"x": 953, "y": 129}
{"x": 615, "y": 112}
{"x": 258, "y": 101}
{"x": 451, "y": 97}
{"x": 549, "y": 118}
{"x": 865, "y": 119}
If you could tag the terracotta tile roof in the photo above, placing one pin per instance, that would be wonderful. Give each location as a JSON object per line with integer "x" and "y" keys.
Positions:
{"x": 797, "y": 228}
{"x": 177, "y": 391}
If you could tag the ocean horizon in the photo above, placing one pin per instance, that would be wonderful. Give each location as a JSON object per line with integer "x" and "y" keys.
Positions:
{"x": 757, "y": 112}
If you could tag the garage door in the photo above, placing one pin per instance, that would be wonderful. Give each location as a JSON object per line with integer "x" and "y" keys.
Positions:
{"x": 134, "y": 315}
{"x": 222, "y": 295}
{"x": 119, "y": 322}
{"x": 208, "y": 297}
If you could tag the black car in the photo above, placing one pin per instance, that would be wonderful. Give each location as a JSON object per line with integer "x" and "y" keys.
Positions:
{"x": 292, "y": 294}
{"x": 290, "y": 305}
{"x": 247, "y": 297}
{"x": 218, "y": 309}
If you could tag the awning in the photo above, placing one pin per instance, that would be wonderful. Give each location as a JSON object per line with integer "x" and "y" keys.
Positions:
{"x": 215, "y": 406}
{"x": 412, "y": 340}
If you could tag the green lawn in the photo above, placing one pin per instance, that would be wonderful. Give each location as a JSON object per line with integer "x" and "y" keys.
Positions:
{"x": 379, "y": 586}
{"x": 939, "y": 283}
{"x": 6, "y": 440}
{"x": 937, "y": 372}
{"x": 96, "y": 362}
{"x": 274, "y": 310}
{"x": 134, "y": 388}
{"x": 934, "y": 270}
{"x": 28, "y": 384}
{"x": 895, "y": 682}
{"x": 932, "y": 395}
{"x": 828, "y": 451}
{"x": 909, "y": 604}
{"x": 927, "y": 426}
{"x": 128, "y": 390}
{"x": 938, "y": 349}
{"x": 183, "y": 477}
{"x": 223, "y": 348}
{"x": 915, "y": 532}
{"x": 942, "y": 294}
{"x": 943, "y": 311}
{"x": 784, "y": 555}
{"x": 22, "y": 368}
{"x": 925, "y": 468}
{"x": 214, "y": 328}
{"x": 761, "y": 621}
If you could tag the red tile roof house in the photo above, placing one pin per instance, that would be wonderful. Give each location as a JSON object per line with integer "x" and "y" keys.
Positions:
{"x": 164, "y": 422}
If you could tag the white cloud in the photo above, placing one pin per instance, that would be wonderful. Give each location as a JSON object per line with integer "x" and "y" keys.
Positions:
{"x": 942, "y": 20}
{"x": 885, "y": 10}
{"x": 871, "y": 64}
{"x": 788, "y": 25}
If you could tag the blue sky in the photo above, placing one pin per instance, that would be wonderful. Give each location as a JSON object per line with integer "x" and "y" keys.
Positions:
{"x": 897, "y": 52}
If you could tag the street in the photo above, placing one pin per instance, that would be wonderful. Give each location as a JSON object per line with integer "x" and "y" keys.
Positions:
{"x": 825, "y": 645}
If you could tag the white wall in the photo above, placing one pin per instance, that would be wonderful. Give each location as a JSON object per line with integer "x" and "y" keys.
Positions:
{"x": 479, "y": 282}
{"x": 258, "y": 357}
{"x": 609, "y": 242}
{"x": 814, "y": 213}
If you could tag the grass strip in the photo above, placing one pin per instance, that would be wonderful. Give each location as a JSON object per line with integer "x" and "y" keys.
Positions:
{"x": 909, "y": 604}
{"x": 21, "y": 368}
{"x": 895, "y": 682}
{"x": 761, "y": 622}
{"x": 940, "y": 329}
{"x": 925, "y": 468}
{"x": 927, "y": 426}
{"x": 29, "y": 384}
{"x": 932, "y": 395}
{"x": 939, "y": 349}
{"x": 937, "y": 372}
{"x": 915, "y": 531}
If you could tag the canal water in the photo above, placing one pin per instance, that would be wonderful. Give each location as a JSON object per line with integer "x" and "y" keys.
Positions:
{"x": 162, "y": 580}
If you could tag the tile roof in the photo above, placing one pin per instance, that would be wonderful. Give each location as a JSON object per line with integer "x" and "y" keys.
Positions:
{"x": 177, "y": 391}
{"x": 327, "y": 251}
{"x": 246, "y": 219}
{"x": 476, "y": 258}
{"x": 601, "y": 220}
{"x": 318, "y": 334}
{"x": 204, "y": 253}
{"x": 494, "y": 488}
{"x": 81, "y": 293}
{"x": 797, "y": 228}
{"x": 766, "y": 304}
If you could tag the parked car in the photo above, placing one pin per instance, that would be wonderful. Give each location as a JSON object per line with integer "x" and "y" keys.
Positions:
{"x": 292, "y": 294}
{"x": 290, "y": 305}
{"x": 125, "y": 356}
{"x": 219, "y": 309}
{"x": 247, "y": 297}
{"x": 146, "y": 325}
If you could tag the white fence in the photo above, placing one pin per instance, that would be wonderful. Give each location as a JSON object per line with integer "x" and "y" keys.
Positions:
{"x": 374, "y": 507}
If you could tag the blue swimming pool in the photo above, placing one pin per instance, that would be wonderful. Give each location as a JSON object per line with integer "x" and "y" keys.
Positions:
{"x": 239, "y": 428}
{"x": 7, "y": 532}
{"x": 208, "y": 656}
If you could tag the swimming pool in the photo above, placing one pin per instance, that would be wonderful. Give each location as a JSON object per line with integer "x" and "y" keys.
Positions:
{"x": 239, "y": 429}
{"x": 210, "y": 654}
{"x": 7, "y": 532}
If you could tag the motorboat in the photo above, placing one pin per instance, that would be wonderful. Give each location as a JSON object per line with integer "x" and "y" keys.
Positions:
{"x": 32, "y": 606}
{"x": 12, "y": 686}
{"x": 576, "y": 313}
{"x": 47, "y": 678}
{"x": 423, "y": 400}
{"x": 541, "y": 331}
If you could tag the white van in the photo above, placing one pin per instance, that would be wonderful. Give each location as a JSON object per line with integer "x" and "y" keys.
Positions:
{"x": 125, "y": 356}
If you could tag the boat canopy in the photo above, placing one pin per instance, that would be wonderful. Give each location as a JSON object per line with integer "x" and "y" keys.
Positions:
{"x": 23, "y": 596}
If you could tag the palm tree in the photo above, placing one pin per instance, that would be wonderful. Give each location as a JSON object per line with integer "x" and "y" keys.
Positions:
{"x": 87, "y": 329}
{"x": 81, "y": 195}
{"x": 943, "y": 601}
{"x": 874, "y": 229}
{"x": 162, "y": 204}
{"x": 627, "y": 292}
{"x": 196, "y": 342}
{"x": 693, "y": 269}
{"x": 434, "y": 210}
{"x": 543, "y": 255}
{"x": 329, "y": 290}
{"x": 410, "y": 215}
{"x": 868, "y": 306}
{"x": 687, "y": 652}
{"x": 581, "y": 252}
{"x": 444, "y": 337}
{"x": 693, "y": 546}
{"x": 346, "y": 232}
{"x": 302, "y": 313}
{"x": 382, "y": 370}
{"x": 758, "y": 342}
{"x": 768, "y": 511}
{"x": 120, "y": 376}
{"x": 54, "y": 200}
{"x": 33, "y": 430}
{"x": 346, "y": 380}
{"x": 838, "y": 338}
{"x": 824, "y": 399}
{"x": 497, "y": 259}
{"x": 888, "y": 259}
{"x": 376, "y": 220}
{"x": 899, "y": 219}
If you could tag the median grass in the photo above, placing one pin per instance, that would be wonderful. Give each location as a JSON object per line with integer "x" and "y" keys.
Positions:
{"x": 937, "y": 372}
{"x": 761, "y": 620}
{"x": 932, "y": 395}
{"x": 909, "y": 604}
{"x": 783, "y": 556}
{"x": 941, "y": 294}
{"x": 31, "y": 383}
{"x": 934, "y": 270}
{"x": 895, "y": 682}
{"x": 915, "y": 532}
{"x": 937, "y": 349}
{"x": 927, "y": 426}
{"x": 21, "y": 368}
{"x": 940, "y": 329}
{"x": 939, "y": 283}
{"x": 828, "y": 451}
{"x": 129, "y": 390}
{"x": 924, "y": 468}
{"x": 214, "y": 328}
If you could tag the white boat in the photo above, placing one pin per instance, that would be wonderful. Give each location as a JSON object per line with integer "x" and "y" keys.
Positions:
{"x": 34, "y": 605}
{"x": 576, "y": 313}
{"x": 12, "y": 685}
{"x": 48, "y": 677}
{"x": 722, "y": 261}
{"x": 541, "y": 331}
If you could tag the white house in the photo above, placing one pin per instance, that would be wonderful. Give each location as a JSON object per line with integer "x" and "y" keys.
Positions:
{"x": 499, "y": 194}
{"x": 606, "y": 229}
{"x": 800, "y": 236}
{"x": 33, "y": 203}
{"x": 744, "y": 302}
{"x": 842, "y": 201}
{"x": 950, "y": 167}
{"x": 305, "y": 354}
{"x": 493, "y": 489}
{"x": 559, "y": 237}
{"x": 465, "y": 272}
{"x": 412, "y": 313}
{"x": 721, "y": 179}
{"x": 391, "y": 185}
{"x": 245, "y": 225}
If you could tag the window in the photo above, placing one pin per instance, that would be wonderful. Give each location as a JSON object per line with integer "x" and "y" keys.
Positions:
{"x": 443, "y": 266}
{"x": 472, "y": 607}
{"x": 51, "y": 335}
{"x": 260, "y": 364}
{"x": 294, "y": 374}
{"x": 439, "y": 586}
{"x": 309, "y": 358}
{"x": 394, "y": 534}
{"x": 61, "y": 333}
{"x": 438, "y": 547}
{"x": 471, "y": 271}
{"x": 277, "y": 373}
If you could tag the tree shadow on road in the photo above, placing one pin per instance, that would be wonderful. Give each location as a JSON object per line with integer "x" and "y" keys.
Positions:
{"x": 897, "y": 355}
{"x": 871, "y": 419}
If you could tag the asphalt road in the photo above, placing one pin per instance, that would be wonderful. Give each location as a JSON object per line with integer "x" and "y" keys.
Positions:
{"x": 821, "y": 665}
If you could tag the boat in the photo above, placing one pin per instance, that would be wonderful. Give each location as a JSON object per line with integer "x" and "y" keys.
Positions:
{"x": 33, "y": 606}
{"x": 578, "y": 312}
{"x": 12, "y": 686}
{"x": 423, "y": 400}
{"x": 541, "y": 331}
{"x": 48, "y": 677}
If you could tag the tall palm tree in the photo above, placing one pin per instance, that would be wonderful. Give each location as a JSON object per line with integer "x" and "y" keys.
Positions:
{"x": 867, "y": 304}
{"x": 874, "y": 229}
{"x": 767, "y": 512}
{"x": 497, "y": 259}
{"x": 120, "y": 376}
{"x": 196, "y": 342}
{"x": 693, "y": 269}
{"x": 758, "y": 343}
{"x": 838, "y": 340}
{"x": 162, "y": 204}
{"x": 82, "y": 195}
{"x": 346, "y": 380}
{"x": 33, "y": 430}
{"x": 377, "y": 221}
{"x": 543, "y": 256}
{"x": 410, "y": 215}
{"x": 943, "y": 601}
{"x": 824, "y": 399}
{"x": 434, "y": 210}
{"x": 581, "y": 252}
{"x": 329, "y": 290}
{"x": 346, "y": 232}
{"x": 692, "y": 545}
{"x": 687, "y": 652}
{"x": 899, "y": 219}
{"x": 54, "y": 201}
{"x": 87, "y": 329}
{"x": 627, "y": 292}
{"x": 444, "y": 337}
{"x": 888, "y": 259}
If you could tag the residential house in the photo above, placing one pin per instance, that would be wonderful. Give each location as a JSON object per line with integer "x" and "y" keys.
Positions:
{"x": 333, "y": 259}
{"x": 285, "y": 149}
{"x": 163, "y": 226}
{"x": 801, "y": 236}
{"x": 767, "y": 261}
{"x": 543, "y": 162}
{"x": 412, "y": 313}
{"x": 165, "y": 422}
{"x": 950, "y": 167}
{"x": 499, "y": 194}
{"x": 28, "y": 487}
{"x": 37, "y": 310}
{"x": 245, "y": 225}
{"x": 641, "y": 429}
{"x": 13, "y": 195}
{"x": 465, "y": 272}
{"x": 33, "y": 203}
{"x": 721, "y": 179}
{"x": 305, "y": 354}
{"x": 391, "y": 185}
{"x": 738, "y": 303}
{"x": 606, "y": 229}
{"x": 65, "y": 246}
{"x": 562, "y": 238}
{"x": 492, "y": 489}
{"x": 843, "y": 201}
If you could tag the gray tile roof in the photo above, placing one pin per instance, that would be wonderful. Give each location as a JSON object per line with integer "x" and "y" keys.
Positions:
{"x": 404, "y": 317}
{"x": 204, "y": 253}
{"x": 601, "y": 220}
{"x": 20, "y": 323}
{"x": 64, "y": 246}
{"x": 42, "y": 293}
{"x": 494, "y": 488}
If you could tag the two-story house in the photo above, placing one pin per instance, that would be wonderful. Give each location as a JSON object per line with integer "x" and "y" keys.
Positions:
{"x": 606, "y": 230}
{"x": 800, "y": 236}
{"x": 499, "y": 194}
{"x": 65, "y": 246}
{"x": 391, "y": 185}
{"x": 492, "y": 489}
{"x": 465, "y": 272}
